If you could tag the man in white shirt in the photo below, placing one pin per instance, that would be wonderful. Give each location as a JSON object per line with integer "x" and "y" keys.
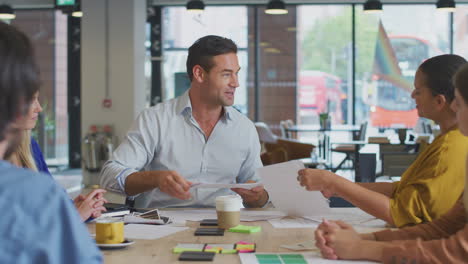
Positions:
{"x": 197, "y": 137}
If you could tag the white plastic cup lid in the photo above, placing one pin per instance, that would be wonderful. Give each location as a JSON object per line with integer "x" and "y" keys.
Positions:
{"x": 228, "y": 203}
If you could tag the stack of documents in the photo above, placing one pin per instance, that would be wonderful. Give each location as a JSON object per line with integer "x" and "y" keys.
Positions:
{"x": 150, "y": 231}
{"x": 133, "y": 219}
{"x": 150, "y": 217}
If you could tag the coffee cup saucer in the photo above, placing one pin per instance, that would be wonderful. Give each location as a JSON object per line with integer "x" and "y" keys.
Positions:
{"x": 125, "y": 243}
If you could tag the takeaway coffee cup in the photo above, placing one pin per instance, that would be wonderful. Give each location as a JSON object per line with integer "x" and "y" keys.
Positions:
{"x": 228, "y": 210}
{"x": 109, "y": 231}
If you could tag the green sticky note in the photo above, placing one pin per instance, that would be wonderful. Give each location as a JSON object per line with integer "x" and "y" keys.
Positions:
{"x": 245, "y": 229}
{"x": 180, "y": 250}
{"x": 181, "y": 247}
{"x": 228, "y": 251}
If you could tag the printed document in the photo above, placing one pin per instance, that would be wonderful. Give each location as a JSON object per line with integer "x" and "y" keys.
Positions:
{"x": 287, "y": 195}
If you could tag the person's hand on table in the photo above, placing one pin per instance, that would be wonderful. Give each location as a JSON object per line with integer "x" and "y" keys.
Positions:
{"x": 90, "y": 205}
{"x": 321, "y": 243}
{"x": 338, "y": 240}
{"x": 173, "y": 184}
{"x": 255, "y": 197}
{"x": 318, "y": 180}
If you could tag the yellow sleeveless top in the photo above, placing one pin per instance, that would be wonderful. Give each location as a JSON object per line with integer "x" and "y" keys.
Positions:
{"x": 433, "y": 183}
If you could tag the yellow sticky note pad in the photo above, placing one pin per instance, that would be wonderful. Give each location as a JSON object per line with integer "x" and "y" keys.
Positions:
{"x": 188, "y": 247}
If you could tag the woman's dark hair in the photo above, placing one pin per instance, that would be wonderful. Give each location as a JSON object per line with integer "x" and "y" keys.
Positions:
{"x": 460, "y": 80}
{"x": 204, "y": 49}
{"x": 19, "y": 76}
{"x": 439, "y": 71}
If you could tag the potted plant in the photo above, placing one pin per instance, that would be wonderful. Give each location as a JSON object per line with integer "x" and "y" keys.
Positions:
{"x": 325, "y": 120}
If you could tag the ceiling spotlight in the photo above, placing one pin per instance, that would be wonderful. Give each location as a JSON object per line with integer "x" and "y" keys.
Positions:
{"x": 446, "y": 5}
{"x": 77, "y": 11}
{"x": 276, "y": 7}
{"x": 372, "y": 6}
{"x": 6, "y": 12}
{"x": 195, "y": 6}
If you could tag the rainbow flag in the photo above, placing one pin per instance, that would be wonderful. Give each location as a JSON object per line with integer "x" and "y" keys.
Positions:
{"x": 386, "y": 64}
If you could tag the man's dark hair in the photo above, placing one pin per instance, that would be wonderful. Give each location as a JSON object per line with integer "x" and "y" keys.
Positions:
{"x": 439, "y": 71}
{"x": 19, "y": 76}
{"x": 204, "y": 49}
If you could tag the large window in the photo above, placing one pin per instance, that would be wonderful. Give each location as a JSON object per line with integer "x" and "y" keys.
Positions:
{"x": 389, "y": 49}
{"x": 181, "y": 29}
{"x": 460, "y": 37}
{"x": 47, "y": 30}
{"x": 325, "y": 63}
{"x": 303, "y": 63}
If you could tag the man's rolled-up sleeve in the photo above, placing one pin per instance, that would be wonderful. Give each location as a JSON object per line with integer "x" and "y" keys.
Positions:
{"x": 134, "y": 153}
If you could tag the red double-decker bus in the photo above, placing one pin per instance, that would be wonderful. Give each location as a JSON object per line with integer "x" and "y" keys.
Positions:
{"x": 392, "y": 104}
{"x": 319, "y": 92}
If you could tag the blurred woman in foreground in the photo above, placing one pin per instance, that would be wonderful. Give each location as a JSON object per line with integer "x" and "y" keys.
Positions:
{"x": 29, "y": 155}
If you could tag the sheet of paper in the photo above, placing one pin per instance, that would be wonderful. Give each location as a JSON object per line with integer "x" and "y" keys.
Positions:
{"x": 260, "y": 215}
{"x": 131, "y": 219}
{"x": 189, "y": 215}
{"x": 353, "y": 216}
{"x": 306, "y": 245}
{"x": 310, "y": 257}
{"x": 136, "y": 231}
{"x": 280, "y": 180}
{"x": 178, "y": 216}
{"x": 247, "y": 186}
{"x": 296, "y": 222}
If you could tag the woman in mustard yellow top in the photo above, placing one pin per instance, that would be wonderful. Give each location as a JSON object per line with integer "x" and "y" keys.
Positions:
{"x": 434, "y": 182}
{"x": 444, "y": 240}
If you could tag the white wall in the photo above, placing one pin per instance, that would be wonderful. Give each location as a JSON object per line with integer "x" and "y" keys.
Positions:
{"x": 126, "y": 51}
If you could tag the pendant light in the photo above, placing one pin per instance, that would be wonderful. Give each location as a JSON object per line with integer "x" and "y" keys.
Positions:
{"x": 372, "y": 6}
{"x": 6, "y": 12}
{"x": 77, "y": 11}
{"x": 276, "y": 7}
{"x": 195, "y": 6}
{"x": 446, "y": 5}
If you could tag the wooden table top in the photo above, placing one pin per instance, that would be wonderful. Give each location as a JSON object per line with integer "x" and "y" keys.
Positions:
{"x": 160, "y": 250}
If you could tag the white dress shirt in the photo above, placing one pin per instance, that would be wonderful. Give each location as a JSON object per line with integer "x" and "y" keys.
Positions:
{"x": 167, "y": 137}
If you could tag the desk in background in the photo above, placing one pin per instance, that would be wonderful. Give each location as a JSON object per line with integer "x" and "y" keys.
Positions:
{"x": 324, "y": 135}
{"x": 317, "y": 128}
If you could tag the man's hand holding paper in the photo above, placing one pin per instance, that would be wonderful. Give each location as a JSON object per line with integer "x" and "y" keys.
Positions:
{"x": 173, "y": 184}
{"x": 255, "y": 197}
